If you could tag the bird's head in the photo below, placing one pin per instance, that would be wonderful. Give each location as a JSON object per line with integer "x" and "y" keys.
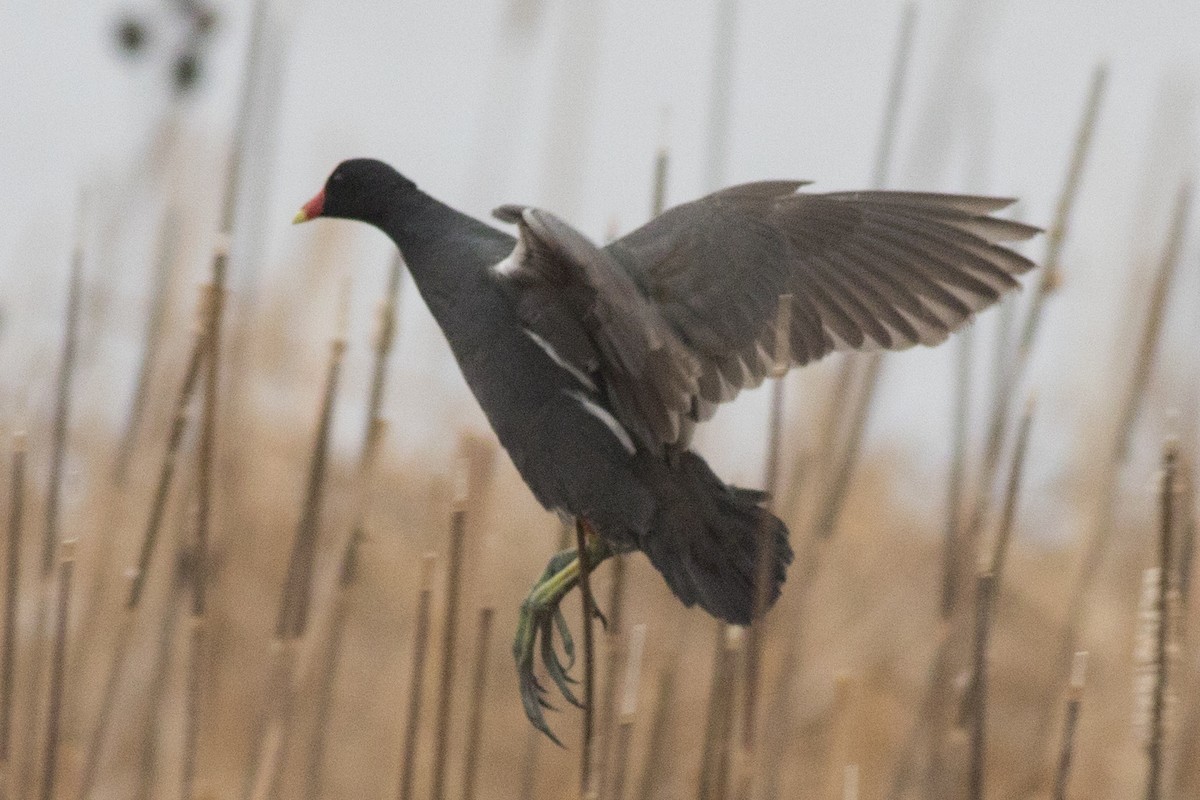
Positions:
{"x": 362, "y": 189}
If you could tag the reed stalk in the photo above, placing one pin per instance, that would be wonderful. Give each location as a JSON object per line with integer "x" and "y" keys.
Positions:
{"x": 651, "y": 778}
{"x": 478, "y": 698}
{"x": 12, "y": 594}
{"x": 446, "y": 673}
{"x": 589, "y": 660}
{"x": 385, "y": 341}
{"x": 952, "y": 555}
{"x": 1156, "y": 743}
{"x": 1066, "y": 750}
{"x": 985, "y": 593}
{"x": 292, "y": 622}
{"x": 51, "y": 518}
{"x": 627, "y": 711}
{"x": 1011, "y": 495}
{"x": 1014, "y": 363}
{"x": 58, "y": 669}
{"x": 412, "y": 725}
{"x": 609, "y": 717}
{"x": 152, "y": 337}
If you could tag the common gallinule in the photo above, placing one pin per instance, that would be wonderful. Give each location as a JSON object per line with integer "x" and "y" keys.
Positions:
{"x": 593, "y": 364}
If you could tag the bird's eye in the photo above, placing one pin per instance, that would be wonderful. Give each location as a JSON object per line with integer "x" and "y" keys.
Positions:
{"x": 337, "y": 176}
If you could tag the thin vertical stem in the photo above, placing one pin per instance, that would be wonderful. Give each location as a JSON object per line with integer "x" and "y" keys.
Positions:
{"x": 1066, "y": 750}
{"x": 62, "y": 410}
{"x": 734, "y": 636}
{"x": 717, "y": 151}
{"x": 895, "y": 97}
{"x": 441, "y": 755}
{"x": 952, "y": 557}
{"x": 589, "y": 664}
{"x": 156, "y": 686}
{"x": 660, "y": 727}
{"x": 1155, "y": 314}
{"x": 348, "y": 573}
{"x": 1156, "y": 745}
{"x": 166, "y": 473}
{"x": 168, "y": 239}
{"x": 292, "y": 621}
{"x": 614, "y": 633}
{"x": 718, "y": 694}
{"x": 1011, "y": 495}
{"x": 1051, "y": 278}
{"x": 206, "y": 454}
{"x": 627, "y": 712}
{"x": 12, "y": 593}
{"x": 108, "y": 700}
{"x": 385, "y": 339}
{"x": 985, "y": 588}
{"x": 50, "y": 532}
{"x": 58, "y": 662}
{"x": 412, "y": 725}
{"x": 478, "y": 696}
{"x": 835, "y": 498}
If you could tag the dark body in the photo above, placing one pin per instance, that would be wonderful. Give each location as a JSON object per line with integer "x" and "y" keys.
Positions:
{"x": 700, "y": 533}
{"x": 529, "y": 399}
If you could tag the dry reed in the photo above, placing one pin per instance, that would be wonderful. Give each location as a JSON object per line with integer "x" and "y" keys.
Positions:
{"x": 58, "y": 669}
{"x": 412, "y": 725}
{"x": 589, "y": 659}
{"x": 1012, "y": 365}
{"x": 651, "y": 778}
{"x": 952, "y": 557}
{"x": 478, "y": 696}
{"x": 1008, "y": 512}
{"x": 1066, "y": 750}
{"x": 385, "y": 340}
{"x": 53, "y": 507}
{"x": 12, "y": 594}
{"x": 152, "y": 337}
{"x": 1156, "y": 743}
{"x": 458, "y": 535}
{"x": 627, "y": 711}
{"x": 323, "y": 701}
{"x": 985, "y": 594}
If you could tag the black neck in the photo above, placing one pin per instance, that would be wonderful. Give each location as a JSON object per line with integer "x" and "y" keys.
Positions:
{"x": 442, "y": 247}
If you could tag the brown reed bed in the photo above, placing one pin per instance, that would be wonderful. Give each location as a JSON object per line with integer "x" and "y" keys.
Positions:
{"x": 229, "y": 705}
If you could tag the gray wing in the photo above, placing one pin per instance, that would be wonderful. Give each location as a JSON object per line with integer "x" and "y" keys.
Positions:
{"x": 856, "y": 270}
{"x": 714, "y": 295}
{"x": 590, "y": 314}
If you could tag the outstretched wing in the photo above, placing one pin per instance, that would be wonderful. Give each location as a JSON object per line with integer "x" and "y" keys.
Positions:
{"x": 713, "y": 295}
{"x": 857, "y": 270}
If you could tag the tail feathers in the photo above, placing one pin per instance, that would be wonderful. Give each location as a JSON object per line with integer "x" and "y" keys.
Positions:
{"x": 705, "y": 540}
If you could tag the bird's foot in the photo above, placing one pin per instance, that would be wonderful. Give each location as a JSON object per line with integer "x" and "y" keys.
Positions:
{"x": 540, "y": 617}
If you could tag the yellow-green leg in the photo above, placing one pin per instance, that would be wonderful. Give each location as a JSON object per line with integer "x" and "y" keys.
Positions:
{"x": 539, "y": 618}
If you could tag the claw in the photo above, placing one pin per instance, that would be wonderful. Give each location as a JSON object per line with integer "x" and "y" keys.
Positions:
{"x": 598, "y": 614}
{"x": 554, "y": 668}
{"x": 564, "y": 633}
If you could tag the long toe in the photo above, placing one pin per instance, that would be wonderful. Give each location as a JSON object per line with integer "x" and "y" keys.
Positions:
{"x": 555, "y": 668}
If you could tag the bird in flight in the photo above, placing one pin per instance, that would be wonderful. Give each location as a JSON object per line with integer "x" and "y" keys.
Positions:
{"x": 595, "y": 364}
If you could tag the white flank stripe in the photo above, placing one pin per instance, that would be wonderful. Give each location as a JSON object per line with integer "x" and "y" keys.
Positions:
{"x": 577, "y": 373}
{"x": 608, "y": 419}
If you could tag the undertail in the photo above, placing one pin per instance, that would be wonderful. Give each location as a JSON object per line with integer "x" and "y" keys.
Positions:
{"x": 705, "y": 538}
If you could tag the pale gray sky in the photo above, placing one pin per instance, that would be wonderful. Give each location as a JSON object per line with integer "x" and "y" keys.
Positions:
{"x": 479, "y": 117}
